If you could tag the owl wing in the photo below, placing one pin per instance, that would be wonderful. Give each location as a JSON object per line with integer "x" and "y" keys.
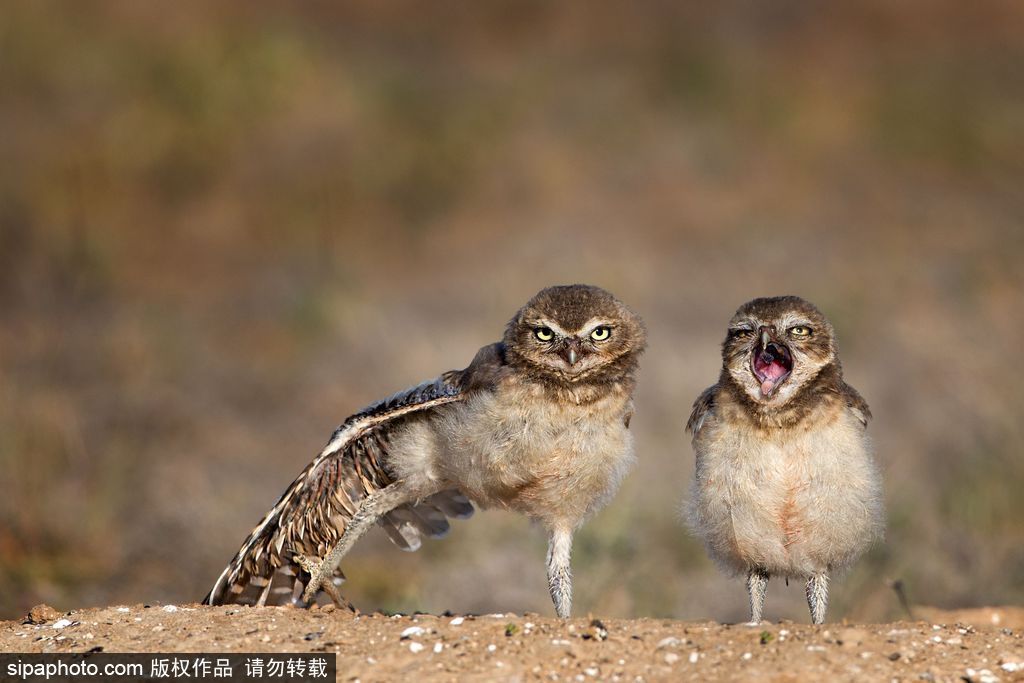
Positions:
{"x": 855, "y": 403}
{"x": 704, "y": 405}
{"x": 314, "y": 511}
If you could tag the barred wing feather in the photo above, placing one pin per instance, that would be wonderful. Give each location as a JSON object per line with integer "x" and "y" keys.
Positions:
{"x": 313, "y": 512}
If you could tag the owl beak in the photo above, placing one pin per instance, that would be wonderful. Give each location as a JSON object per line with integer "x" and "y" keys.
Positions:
{"x": 570, "y": 352}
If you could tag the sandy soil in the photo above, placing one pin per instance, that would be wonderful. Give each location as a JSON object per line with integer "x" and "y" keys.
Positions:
{"x": 974, "y": 645}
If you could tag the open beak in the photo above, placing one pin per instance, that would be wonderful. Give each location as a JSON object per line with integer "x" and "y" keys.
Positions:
{"x": 771, "y": 362}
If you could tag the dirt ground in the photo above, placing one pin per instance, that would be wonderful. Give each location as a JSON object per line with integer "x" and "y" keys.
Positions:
{"x": 974, "y": 645}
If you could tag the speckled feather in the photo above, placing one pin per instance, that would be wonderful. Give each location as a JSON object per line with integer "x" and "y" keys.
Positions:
{"x": 311, "y": 514}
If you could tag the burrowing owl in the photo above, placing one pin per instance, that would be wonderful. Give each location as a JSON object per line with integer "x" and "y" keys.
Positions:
{"x": 785, "y": 481}
{"x": 537, "y": 423}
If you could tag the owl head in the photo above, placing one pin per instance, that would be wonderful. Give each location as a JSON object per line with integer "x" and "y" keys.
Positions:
{"x": 573, "y": 334}
{"x": 775, "y": 346}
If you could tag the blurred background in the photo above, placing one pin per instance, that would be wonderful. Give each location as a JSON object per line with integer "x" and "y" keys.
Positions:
{"x": 227, "y": 226}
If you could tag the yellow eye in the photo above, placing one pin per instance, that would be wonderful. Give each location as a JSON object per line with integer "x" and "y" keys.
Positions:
{"x": 601, "y": 333}
{"x": 544, "y": 334}
{"x": 800, "y": 331}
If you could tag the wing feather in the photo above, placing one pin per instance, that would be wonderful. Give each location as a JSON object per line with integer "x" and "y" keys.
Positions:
{"x": 704, "y": 405}
{"x": 855, "y": 403}
{"x": 309, "y": 518}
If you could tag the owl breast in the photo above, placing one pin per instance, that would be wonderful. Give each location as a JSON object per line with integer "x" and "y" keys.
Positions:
{"x": 803, "y": 501}
{"x": 554, "y": 461}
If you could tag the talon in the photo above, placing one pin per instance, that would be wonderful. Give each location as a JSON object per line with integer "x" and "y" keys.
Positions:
{"x": 313, "y": 568}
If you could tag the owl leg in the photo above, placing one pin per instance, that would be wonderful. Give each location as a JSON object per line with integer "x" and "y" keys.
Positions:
{"x": 817, "y": 597}
{"x": 757, "y": 586}
{"x": 371, "y": 509}
{"x": 559, "y": 572}
{"x": 310, "y": 565}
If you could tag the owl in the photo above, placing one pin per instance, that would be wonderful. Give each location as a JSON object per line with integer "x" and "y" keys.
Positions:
{"x": 785, "y": 481}
{"x": 538, "y": 423}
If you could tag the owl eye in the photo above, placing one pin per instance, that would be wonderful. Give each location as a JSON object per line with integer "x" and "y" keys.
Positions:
{"x": 544, "y": 334}
{"x": 800, "y": 331}
{"x": 601, "y": 333}
{"x": 741, "y": 332}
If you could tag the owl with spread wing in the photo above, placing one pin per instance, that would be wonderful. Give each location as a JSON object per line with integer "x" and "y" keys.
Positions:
{"x": 538, "y": 423}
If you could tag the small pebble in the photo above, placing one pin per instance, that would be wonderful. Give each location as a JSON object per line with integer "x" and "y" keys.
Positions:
{"x": 40, "y": 614}
{"x": 457, "y": 621}
{"x": 671, "y": 641}
{"x": 671, "y": 658}
{"x": 412, "y": 631}
{"x": 981, "y": 676}
{"x": 415, "y": 647}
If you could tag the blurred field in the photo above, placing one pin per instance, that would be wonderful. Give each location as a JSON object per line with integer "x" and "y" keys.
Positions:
{"x": 226, "y": 226}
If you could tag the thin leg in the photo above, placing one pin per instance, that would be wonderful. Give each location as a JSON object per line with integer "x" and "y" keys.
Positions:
{"x": 559, "y": 572}
{"x": 757, "y": 585}
{"x": 817, "y": 597}
{"x": 372, "y": 508}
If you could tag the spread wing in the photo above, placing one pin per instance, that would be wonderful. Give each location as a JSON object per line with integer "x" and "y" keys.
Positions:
{"x": 704, "y": 404}
{"x": 313, "y": 512}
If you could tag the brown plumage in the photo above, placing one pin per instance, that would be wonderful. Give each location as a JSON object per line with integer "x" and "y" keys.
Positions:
{"x": 309, "y": 518}
{"x": 537, "y": 423}
{"x": 785, "y": 481}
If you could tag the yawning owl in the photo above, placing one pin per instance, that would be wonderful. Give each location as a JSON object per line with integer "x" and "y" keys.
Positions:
{"x": 785, "y": 482}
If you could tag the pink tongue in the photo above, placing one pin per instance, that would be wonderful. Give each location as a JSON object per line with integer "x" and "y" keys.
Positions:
{"x": 775, "y": 371}
{"x": 771, "y": 374}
